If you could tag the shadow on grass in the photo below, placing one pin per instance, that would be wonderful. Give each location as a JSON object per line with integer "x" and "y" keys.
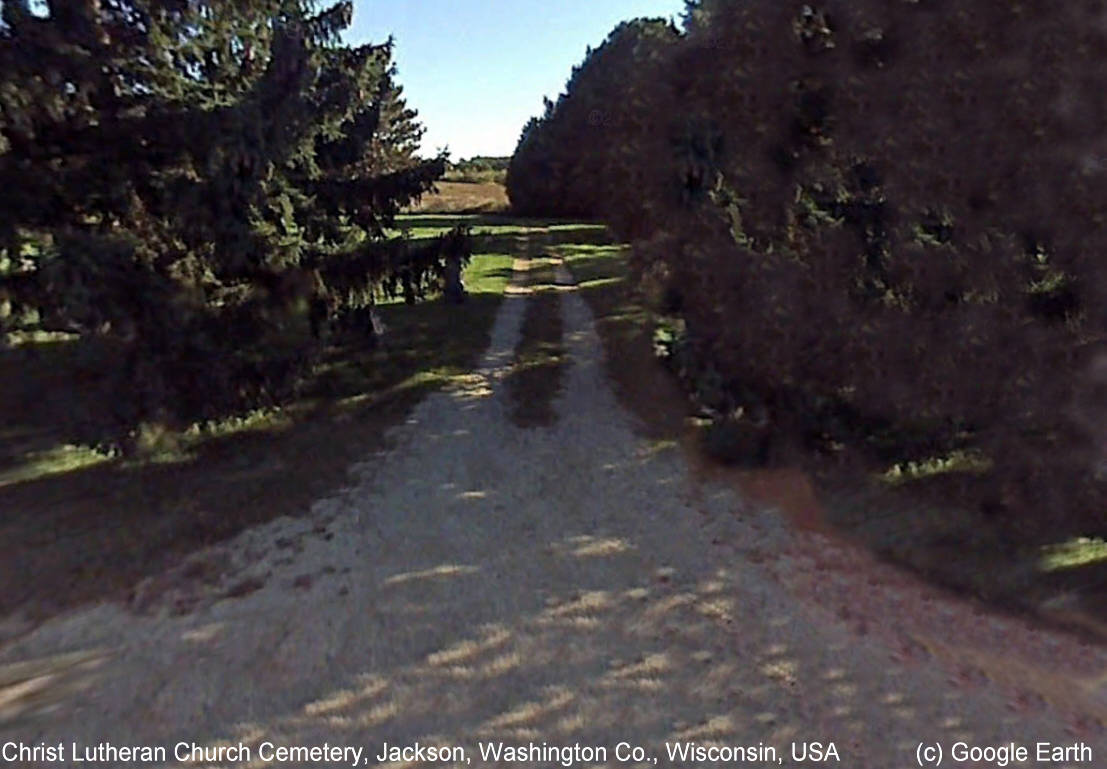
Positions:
{"x": 448, "y": 221}
{"x": 496, "y": 234}
{"x": 523, "y": 243}
{"x": 90, "y": 528}
{"x": 538, "y": 371}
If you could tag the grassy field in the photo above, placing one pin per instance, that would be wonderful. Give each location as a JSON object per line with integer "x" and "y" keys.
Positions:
{"x": 91, "y": 526}
{"x": 464, "y": 197}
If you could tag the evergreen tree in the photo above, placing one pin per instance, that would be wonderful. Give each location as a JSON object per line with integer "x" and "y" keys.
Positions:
{"x": 203, "y": 185}
{"x": 572, "y": 160}
{"x": 878, "y": 221}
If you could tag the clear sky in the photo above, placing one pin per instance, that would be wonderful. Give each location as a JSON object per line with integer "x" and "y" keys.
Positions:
{"x": 476, "y": 70}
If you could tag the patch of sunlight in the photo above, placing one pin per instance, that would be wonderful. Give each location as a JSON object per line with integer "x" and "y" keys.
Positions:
{"x": 657, "y": 447}
{"x": 651, "y": 664}
{"x": 716, "y": 726}
{"x": 668, "y": 604}
{"x": 955, "y": 462}
{"x": 718, "y": 608}
{"x": 37, "y": 336}
{"x": 573, "y": 723}
{"x": 531, "y": 264}
{"x": 529, "y": 712}
{"x": 476, "y": 230}
{"x": 434, "y": 378}
{"x": 549, "y": 287}
{"x": 587, "y": 250}
{"x": 577, "y": 226}
{"x": 591, "y": 547}
{"x": 203, "y": 634}
{"x": 17, "y": 672}
{"x": 45, "y": 684}
{"x": 446, "y": 570}
{"x": 55, "y": 461}
{"x": 1081, "y": 551}
{"x": 471, "y": 386}
{"x": 587, "y": 602}
{"x": 502, "y": 665}
{"x": 599, "y": 282}
{"x": 256, "y": 420}
{"x": 539, "y": 361}
{"x": 11, "y": 696}
{"x": 340, "y": 700}
{"x": 378, "y": 714}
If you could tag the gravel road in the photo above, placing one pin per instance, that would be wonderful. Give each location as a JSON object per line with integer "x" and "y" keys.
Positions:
{"x": 479, "y": 584}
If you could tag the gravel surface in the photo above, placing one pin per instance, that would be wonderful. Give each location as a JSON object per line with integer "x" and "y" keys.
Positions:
{"x": 480, "y": 583}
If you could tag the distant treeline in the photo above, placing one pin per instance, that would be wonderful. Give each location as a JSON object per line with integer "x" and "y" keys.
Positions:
{"x": 206, "y": 190}
{"x": 478, "y": 169}
{"x": 879, "y": 227}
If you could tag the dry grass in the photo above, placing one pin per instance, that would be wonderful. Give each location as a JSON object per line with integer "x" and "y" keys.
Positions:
{"x": 464, "y": 198}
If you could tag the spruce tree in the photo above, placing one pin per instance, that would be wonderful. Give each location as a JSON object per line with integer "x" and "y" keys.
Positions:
{"x": 203, "y": 185}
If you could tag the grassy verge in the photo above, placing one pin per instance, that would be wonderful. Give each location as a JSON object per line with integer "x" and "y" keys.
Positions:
{"x": 88, "y": 527}
{"x": 626, "y": 329}
{"x": 919, "y": 516}
{"x": 539, "y": 365}
{"x": 491, "y": 228}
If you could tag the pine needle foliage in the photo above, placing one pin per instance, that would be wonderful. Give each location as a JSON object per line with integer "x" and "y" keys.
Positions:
{"x": 205, "y": 186}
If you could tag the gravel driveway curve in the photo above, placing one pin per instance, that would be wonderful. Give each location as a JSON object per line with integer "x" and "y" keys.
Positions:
{"x": 481, "y": 583}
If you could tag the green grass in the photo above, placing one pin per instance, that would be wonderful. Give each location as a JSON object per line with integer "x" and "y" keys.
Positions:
{"x": 597, "y": 266}
{"x": 1082, "y": 551}
{"x": 423, "y": 226}
{"x": 626, "y": 327}
{"x": 89, "y": 525}
{"x": 53, "y": 461}
{"x": 538, "y": 369}
{"x": 954, "y": 462}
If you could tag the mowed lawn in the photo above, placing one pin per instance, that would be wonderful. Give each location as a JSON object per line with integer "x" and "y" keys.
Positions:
{"x": 490, "y": 226}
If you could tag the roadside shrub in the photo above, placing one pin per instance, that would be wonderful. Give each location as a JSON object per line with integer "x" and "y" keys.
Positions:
{"x": 883, "y": 221}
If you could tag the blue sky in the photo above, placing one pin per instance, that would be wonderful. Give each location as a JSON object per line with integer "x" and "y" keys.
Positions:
{"x": 476, "y": 70}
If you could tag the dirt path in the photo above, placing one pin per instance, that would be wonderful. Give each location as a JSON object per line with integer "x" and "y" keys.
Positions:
{"x": 562, "y": 585}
